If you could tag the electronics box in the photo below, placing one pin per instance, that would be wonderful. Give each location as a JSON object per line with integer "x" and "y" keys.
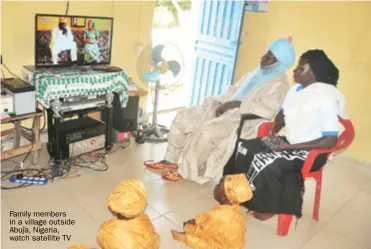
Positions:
{"x": 80, "y": 136}
{"x": 6, "y": 104}
{"x": 24, "y": 95}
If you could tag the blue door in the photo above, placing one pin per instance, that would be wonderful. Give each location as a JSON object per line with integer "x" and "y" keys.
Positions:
{"x": 216, "y": 46}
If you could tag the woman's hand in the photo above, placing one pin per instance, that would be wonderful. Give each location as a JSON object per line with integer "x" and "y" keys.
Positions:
{"x": 179, "y": 236}
{"x": 282, "y": 145}
{"x": 272, "y": 133}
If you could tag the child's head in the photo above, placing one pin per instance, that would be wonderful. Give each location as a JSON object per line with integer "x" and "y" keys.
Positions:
{"x": 128, "y": 199}
{"x": 233, "y": 189}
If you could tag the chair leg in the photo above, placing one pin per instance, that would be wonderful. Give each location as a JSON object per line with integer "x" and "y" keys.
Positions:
{"x": 284, "y": 222}
{"x": 317, "y": 199}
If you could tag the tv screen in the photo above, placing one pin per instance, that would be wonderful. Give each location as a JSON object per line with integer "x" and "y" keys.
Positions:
{"x": 66, "y": 40}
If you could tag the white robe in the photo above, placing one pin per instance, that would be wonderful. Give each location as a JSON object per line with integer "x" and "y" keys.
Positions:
{"x": 201, "y": 143}
{"x": 62, "y": 42}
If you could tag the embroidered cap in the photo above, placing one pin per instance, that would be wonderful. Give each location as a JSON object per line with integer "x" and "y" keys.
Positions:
{"x": 237, "y": 188}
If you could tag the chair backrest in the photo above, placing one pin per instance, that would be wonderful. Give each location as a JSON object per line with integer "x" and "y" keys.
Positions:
{"x": 344, "y": 140}
{"x": 264, "y": 129}
{"x": 346, "y": 137}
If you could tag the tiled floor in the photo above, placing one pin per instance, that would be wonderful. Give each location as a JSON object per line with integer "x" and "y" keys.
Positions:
{"x": 345, "y": 218}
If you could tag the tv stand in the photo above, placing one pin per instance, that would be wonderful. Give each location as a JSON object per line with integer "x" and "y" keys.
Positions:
{"x": 65, "y": 92}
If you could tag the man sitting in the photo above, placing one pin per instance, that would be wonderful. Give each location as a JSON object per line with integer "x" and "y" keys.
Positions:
{"x": 62, "y": 40}
{"x": 202, "y": 138}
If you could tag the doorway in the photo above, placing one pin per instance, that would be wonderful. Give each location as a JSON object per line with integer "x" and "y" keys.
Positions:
{"x": 174, "y": 24}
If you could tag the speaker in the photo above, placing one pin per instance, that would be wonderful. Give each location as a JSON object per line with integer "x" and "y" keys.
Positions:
{"x": 125, "y": 119}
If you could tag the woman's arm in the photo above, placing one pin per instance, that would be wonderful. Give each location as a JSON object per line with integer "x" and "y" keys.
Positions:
{"x": 86, "y": 40}
{"x": 97, "y": 37}
{"x": 279, "y": 123}
{"x": 326, "y": 142}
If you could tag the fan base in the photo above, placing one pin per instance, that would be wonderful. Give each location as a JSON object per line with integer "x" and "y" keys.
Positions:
{"x": 155, "y": 134}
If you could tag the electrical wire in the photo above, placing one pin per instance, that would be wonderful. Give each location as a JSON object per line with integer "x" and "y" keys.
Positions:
{"x": 121, "y": 146}
{"x": 46, "y": 172}
{"x": 95, "y": 161}
{"x": 2, "y": 73}
{"x": 44, "y": 124}
{"x": 32, "y": 141}
{"x": 7, "y": 69}
{"x": 68, "y": 6}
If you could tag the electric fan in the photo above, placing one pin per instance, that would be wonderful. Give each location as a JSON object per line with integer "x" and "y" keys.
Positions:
{"x": 162, "y": 71}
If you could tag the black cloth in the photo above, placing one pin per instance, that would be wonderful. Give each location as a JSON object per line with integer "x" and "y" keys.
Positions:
{"x": 274, "y": 176}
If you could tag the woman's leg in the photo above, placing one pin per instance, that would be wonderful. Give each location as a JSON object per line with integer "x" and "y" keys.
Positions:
{"x": 243, "y": 157}
{"x": 229, "y": 167}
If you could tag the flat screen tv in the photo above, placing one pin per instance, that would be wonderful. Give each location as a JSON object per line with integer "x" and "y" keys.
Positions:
{"x": 66, "y": 40}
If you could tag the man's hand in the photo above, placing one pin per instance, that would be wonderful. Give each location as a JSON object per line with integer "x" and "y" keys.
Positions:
{"x": 179, "y": 236}
{"x": 226, "y": 107}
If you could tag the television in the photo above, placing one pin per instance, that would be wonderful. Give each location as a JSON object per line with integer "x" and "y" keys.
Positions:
{"x": 72, "y": 40}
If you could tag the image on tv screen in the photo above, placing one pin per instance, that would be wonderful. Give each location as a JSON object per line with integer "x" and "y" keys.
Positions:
{"x": 63, "y": 40}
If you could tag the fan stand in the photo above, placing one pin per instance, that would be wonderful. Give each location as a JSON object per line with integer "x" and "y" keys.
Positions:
{"x": 155, "y": 132}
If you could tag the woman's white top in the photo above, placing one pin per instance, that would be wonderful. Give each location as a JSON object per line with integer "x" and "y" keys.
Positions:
{"x": 312, "y": 112}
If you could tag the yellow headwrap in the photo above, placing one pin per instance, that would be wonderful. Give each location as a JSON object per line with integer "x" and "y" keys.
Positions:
{"x": 129, "y": 198}
{"x": 237, "y": 188}
{"x": 137, "y": 233}
{"x": 62, "y": 19}
{"x": 78, "y": 247}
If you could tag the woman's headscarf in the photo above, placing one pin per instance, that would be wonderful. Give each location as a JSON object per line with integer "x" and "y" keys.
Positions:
{"x": 129, "y": 198}
{"x": 137, "y": 233}
{"x": 92, "y": 25}
{"x": 283, "y": 50}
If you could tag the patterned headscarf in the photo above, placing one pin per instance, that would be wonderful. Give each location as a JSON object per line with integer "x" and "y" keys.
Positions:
{"x": 129, "y": 198}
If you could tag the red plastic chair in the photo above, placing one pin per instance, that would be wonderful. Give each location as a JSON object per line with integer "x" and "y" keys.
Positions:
{"x": 344, "y": 140}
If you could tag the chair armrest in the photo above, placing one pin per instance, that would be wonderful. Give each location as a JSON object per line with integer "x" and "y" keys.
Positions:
{"x": 314, "y": 153}
{"x": 311, "y": 158}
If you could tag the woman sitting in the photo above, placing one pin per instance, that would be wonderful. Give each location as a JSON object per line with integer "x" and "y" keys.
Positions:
{"x": 91, "y": 40}
{"x": 310, "y": 116}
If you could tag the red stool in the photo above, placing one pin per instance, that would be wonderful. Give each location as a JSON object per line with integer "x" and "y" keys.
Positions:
{"x": 344, "y": 140}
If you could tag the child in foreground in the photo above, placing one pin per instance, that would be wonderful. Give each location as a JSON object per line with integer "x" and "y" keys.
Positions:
{"x": 224, "y": 225}
{"x": 130, "y": 229}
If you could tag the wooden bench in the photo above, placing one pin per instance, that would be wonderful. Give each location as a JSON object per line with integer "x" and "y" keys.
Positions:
{"x": 18, "y": 131}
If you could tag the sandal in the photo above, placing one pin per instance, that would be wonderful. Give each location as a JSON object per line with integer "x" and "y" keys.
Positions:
{"x": 158, "y": 165}
{"x": 171, "y": 176}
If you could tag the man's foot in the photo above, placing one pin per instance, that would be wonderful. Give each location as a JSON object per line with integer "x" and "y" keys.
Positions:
{"x": 163, "y": 164}
{"x": 171, "y": 176}
{"x": 179, "y": 236}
